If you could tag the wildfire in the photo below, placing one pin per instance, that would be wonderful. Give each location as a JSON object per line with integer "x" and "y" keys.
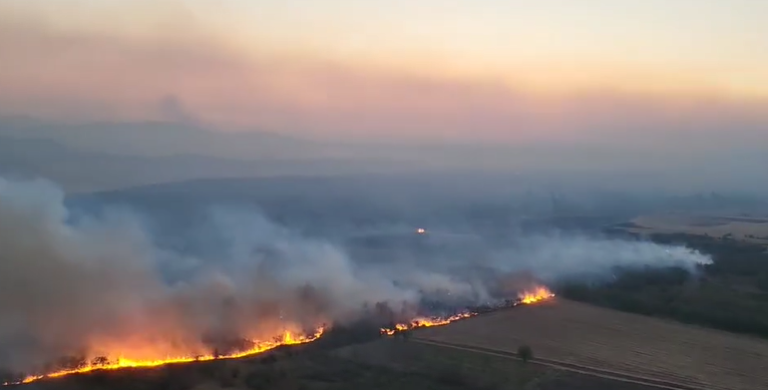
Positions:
{"x": 287, "y": 338}
{"x": 425, "y": 322}
{"x": 527, "y": 297}
{"x": 536, "y": 295}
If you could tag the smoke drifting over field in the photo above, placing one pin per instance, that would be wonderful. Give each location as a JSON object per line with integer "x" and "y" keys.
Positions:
{"x": 99, "y": 285}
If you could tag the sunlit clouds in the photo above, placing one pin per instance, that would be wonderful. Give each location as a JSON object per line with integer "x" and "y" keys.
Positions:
{"x": 457, "y": 70}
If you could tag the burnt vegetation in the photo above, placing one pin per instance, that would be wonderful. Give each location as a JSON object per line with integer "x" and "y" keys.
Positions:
{"x": 730, "y": 294}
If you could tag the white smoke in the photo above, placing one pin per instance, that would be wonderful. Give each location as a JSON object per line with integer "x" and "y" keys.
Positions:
{"x": 557, "y": 256}
{"x": 64, "y": 285}
{"x": 72, "y": 284}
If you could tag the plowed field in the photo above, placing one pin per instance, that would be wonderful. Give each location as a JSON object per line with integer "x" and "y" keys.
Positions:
{"x": 609, "y": 341}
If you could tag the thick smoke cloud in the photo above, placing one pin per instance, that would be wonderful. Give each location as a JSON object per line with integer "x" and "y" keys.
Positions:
{"x": 98, "y": 286}
{"x": 558, "y": 256}
{"x": 95, "y": 285}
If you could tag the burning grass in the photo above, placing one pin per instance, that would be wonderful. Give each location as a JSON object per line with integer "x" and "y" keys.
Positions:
{"x": 527, "y": 297}
{"x": 287, "y": 338}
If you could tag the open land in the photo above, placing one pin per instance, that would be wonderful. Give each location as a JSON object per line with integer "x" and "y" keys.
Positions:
{"x": 617, "y": 343}
{"x": 385, "y": 363}
{"x": 576, "y": 346}
{"x": 753, "y": 229}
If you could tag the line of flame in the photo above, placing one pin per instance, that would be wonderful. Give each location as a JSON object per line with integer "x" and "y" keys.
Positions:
{"x": 528, "y": 297}
{"x": 536, "y": 295}
{"x": 424, "y": 322}
{"x": 287, "y": 339}
{"x": 525, "y": 298}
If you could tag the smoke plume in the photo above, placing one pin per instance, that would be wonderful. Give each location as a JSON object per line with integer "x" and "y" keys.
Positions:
{"x": 75, "y": 284}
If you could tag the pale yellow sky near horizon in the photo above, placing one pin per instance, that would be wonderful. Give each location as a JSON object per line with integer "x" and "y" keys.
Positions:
{"x": 326, "y": 63}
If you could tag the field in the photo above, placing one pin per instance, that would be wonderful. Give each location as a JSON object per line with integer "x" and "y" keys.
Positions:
{"x": 753, "y": 229}
{"x": 616, "y": 343}
{"x": 384, "y": 364}
{"x": 461, "y": 368}
{"x": 576, "y": 347}
{"x": 376, "y": 363}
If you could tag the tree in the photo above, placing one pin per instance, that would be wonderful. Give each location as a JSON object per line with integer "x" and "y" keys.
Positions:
{"x": 100, "y": 361}
{"x": 525, "y": 353}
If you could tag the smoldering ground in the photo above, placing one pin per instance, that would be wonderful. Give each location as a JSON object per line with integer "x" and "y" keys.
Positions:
{"x": 105, "y": 284}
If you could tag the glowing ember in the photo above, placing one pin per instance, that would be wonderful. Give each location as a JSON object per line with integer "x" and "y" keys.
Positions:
{"x": 536, "y": 295}
{"x": 287, "y": 338}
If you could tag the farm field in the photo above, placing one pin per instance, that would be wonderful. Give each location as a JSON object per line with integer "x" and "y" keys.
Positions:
{"x": 747, "y": 229}
{"x": 461, "y": 368}
{"x": 383, "y": 364}
{"x": 611, "y": 341}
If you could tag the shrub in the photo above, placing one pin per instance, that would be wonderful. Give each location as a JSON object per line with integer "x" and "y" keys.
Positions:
{"x": 525, "y": 353}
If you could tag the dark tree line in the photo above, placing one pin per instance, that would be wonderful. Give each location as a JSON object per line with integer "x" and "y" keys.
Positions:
{"x": 731, "y": 294}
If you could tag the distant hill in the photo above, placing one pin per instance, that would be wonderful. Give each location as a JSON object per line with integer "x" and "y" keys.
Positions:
{"x": 161, "y": 138}
{"x": 110, "y": 153}
{"x": 81, "y": 170}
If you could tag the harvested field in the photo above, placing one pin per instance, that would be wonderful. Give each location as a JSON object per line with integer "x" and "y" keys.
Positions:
{"x": 460, "y": 368}
{"x": 611, "y": 341}
{"x": 748, "y": 229}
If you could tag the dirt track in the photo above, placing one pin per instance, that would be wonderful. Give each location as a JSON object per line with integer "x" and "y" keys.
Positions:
{"x": 568, "y": 366}
{"x": 615, "y": 344}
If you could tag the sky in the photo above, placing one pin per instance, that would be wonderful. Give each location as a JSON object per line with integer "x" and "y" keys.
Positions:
{"x": 483, "y": 71}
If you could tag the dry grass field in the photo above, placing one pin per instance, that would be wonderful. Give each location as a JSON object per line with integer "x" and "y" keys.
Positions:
{"x": 382, "y": 364}
{"x": 748, "y": 229}
{"x": 576, "y": 347}
{"x": 464, "y": 369}
{"x": 608, "y": 340}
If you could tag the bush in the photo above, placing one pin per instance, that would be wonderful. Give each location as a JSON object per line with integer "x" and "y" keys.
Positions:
{"x": 525, "y": 353}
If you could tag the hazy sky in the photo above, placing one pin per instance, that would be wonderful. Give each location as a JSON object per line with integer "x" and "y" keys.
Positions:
{"x": 499, "y": 70}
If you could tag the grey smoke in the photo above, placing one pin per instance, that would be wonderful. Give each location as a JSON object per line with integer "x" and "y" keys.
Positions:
{"x": 74, "y": 284}
{"x": 556, "y": 256}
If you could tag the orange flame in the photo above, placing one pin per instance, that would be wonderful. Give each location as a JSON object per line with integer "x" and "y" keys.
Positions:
{"x": 527, "y": 297}
{"x": 538, "y": 294}
{"x": 287, "y": 338}
{"x": 425, "y": 322}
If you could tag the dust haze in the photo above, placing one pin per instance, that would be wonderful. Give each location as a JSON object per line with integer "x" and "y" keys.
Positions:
{"x": 118, "y": 278}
